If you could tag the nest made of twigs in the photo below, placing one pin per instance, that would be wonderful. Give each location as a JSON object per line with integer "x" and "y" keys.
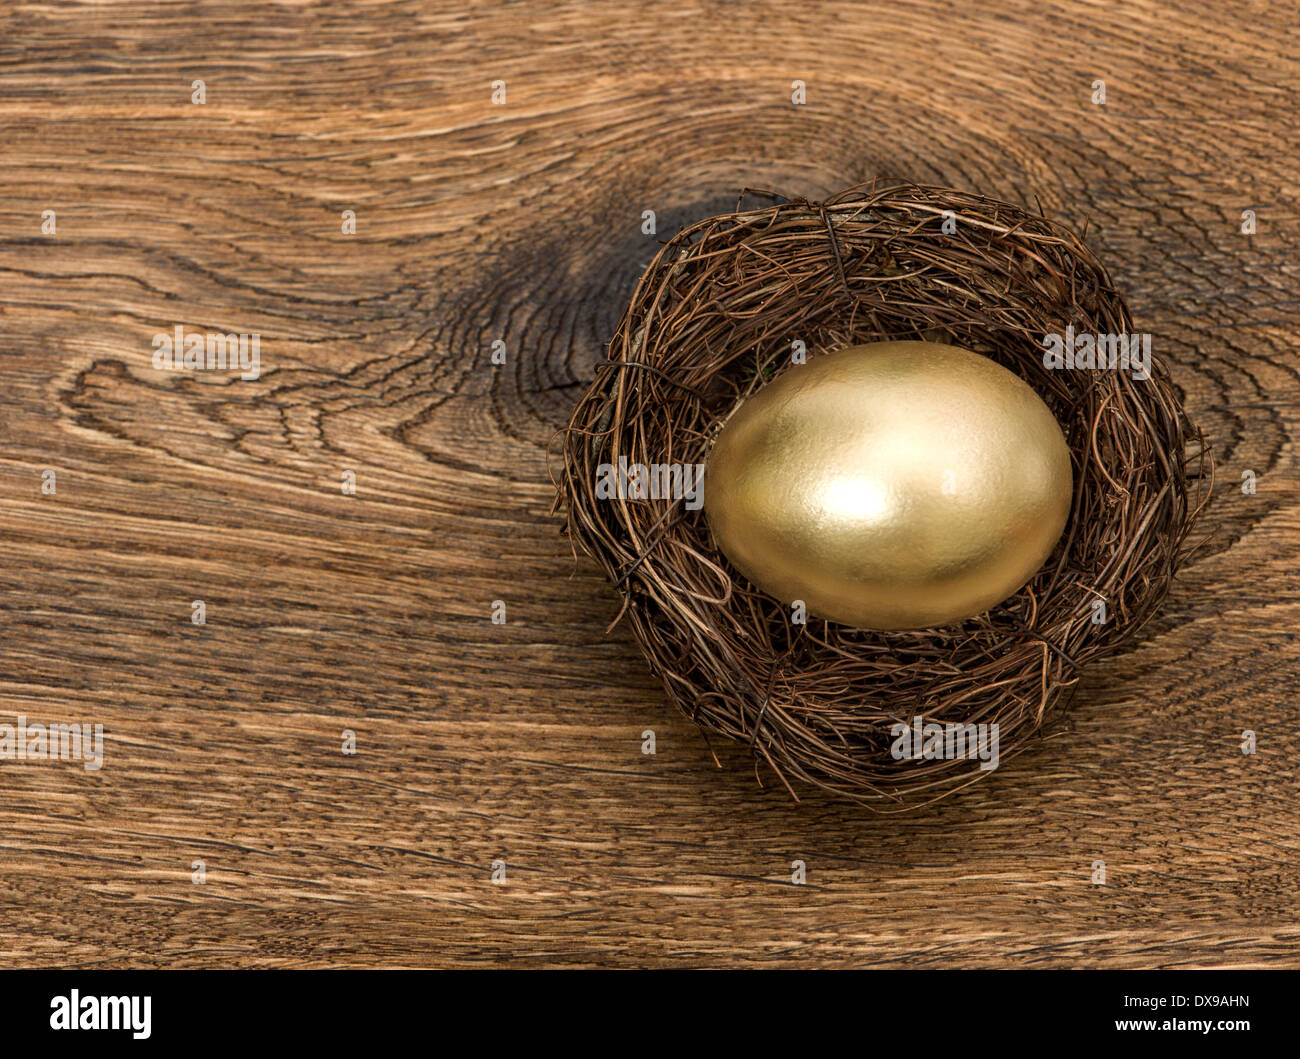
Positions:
{"x": 714, "y": 318}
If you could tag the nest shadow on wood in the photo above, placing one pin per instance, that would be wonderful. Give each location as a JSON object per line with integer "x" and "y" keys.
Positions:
{"x": 715, "y": 317}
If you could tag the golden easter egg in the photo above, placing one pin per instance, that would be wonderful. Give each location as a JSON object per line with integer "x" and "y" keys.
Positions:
{"x": 896, "y": 485}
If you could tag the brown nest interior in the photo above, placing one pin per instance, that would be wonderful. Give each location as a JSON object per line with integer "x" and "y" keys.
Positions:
{"x": 715, "y": 317}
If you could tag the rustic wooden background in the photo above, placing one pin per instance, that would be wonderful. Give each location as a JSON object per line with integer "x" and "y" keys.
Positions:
{"x": 521, "y": 222}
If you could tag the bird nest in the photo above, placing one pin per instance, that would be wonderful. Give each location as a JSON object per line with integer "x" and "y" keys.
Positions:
{"x": 715, "y": 317}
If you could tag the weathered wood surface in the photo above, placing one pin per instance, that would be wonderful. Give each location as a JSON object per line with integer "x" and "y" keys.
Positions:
{"x": 522, "y": 742}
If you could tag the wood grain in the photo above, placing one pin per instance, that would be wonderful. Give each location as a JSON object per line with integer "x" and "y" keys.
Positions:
{"x": 521, "y": 741}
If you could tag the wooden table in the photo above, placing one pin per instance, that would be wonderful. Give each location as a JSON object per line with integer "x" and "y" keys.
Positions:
{"x": 481, "y": 222}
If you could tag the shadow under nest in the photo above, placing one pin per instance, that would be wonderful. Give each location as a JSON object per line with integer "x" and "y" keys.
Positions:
{"x": 714, "y": 318}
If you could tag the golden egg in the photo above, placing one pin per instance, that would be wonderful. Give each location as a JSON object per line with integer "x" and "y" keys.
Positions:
{"x": 897, "y": 485}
